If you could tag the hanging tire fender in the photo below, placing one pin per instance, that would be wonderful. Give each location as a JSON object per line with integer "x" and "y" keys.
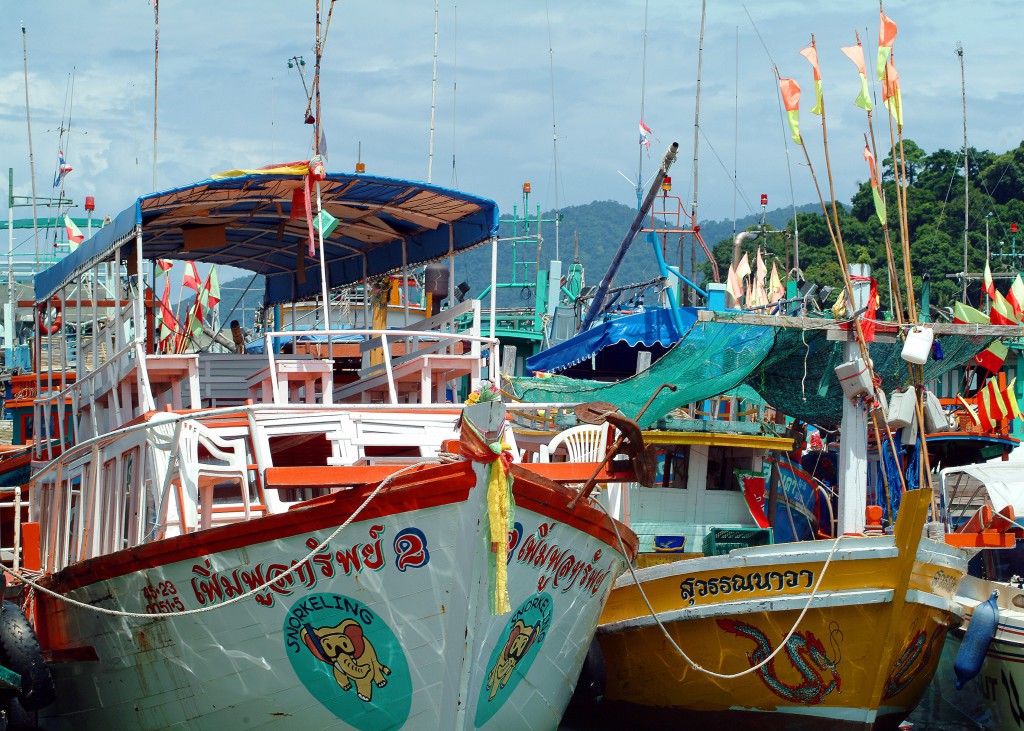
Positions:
{"x": 21, "y": 652}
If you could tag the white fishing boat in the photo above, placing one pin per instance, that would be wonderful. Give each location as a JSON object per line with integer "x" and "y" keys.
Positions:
{"x": 243, "y": 540}
{"x": 983, "y": 500}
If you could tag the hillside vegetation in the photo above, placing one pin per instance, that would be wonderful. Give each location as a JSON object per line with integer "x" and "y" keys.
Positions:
{"x": 935, "y": 223}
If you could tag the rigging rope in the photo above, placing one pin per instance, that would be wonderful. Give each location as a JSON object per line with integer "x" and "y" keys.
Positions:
{"x": 443, "y": 458}
{"x": 671, "y": 641}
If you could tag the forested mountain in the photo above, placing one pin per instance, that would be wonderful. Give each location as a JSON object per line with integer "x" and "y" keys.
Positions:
{"x": 935, "y": 222}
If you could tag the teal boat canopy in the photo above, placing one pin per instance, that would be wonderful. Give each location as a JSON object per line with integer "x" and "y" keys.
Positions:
{"x": 245, "y": 219}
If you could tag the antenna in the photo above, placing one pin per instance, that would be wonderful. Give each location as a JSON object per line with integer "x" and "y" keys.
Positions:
{"x": 643, "y": 88}
{"x": 433, "y": 101}
{"x": 156, "y": 77}
{"x": 963, "y": 99}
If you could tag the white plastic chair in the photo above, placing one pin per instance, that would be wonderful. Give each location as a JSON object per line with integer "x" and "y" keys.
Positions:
{"x": 584, "y": 443}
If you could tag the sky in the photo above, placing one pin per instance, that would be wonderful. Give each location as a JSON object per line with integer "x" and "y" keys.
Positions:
{"x": 548, "y": 92}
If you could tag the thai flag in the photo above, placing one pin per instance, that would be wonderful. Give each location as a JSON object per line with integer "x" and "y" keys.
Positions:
{"x": 62, "y": 169}
{"x": 645, "y": 135}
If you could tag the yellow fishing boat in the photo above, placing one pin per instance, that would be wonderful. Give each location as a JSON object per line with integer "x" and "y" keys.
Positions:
{"x": 865, "y": 618}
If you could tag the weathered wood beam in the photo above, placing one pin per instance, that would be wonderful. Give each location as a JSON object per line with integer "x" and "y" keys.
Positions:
{"x": 817, "y": 323}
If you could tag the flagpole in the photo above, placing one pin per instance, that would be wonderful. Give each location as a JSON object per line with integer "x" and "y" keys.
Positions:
{"x": 156, "y": 78}
{"x": 643, "y": 87}
{"x": 31, "y": 158}
{"x": 963, "y": 99}
{"x": 837, "y": 243}
{"x": 895, "y": 298}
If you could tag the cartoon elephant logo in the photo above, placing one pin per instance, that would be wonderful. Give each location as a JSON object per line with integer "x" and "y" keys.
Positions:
{"x": 350, "y": 653}
{"x": 520, "y": 639}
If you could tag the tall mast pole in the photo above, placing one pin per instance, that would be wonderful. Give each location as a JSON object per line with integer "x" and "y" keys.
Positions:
{"x": 643, "y": 87}
{"x": 31, "y": 159}
{"x": 433, "y": 101}
{"x": 963, "y": 99}
{"x": 156, "y": 78}
{"x": 696, "y": 136}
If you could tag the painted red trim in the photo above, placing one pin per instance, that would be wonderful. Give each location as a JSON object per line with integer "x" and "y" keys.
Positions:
{"x": 423, "y": 488}
{"x": 535, "y": 492}
{"x": 433, "y": 487}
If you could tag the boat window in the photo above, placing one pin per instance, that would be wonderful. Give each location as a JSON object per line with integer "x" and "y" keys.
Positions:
{"x": 108, "y": 500}
{"x": 300, "y": 450}
{"x": 672, "y": 466}
{"x": 126, "y": 498}
{"x": 70, "y": 520}
{"x": 722, "y": 465}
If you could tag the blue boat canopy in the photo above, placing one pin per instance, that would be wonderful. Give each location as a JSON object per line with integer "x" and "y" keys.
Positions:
{"x": 244, "y": 219}
{"x": 650, "y": 327}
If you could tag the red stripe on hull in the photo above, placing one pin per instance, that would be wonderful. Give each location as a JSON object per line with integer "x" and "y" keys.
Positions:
{"x": 424, "y": 488}
{"x": 428, "y": 488}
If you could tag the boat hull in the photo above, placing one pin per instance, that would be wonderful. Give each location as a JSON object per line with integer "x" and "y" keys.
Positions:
{"x": 860, "y": 657}
{"x": 389, "y": 626}
{"x": 994, "y": 699}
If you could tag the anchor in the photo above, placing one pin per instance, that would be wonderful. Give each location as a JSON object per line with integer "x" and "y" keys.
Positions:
{"x": 630, "y": 441}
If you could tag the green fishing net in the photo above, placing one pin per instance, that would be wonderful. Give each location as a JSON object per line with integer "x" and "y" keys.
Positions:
{"x": 797, "y": 376}
{"x": 711, "y": 358}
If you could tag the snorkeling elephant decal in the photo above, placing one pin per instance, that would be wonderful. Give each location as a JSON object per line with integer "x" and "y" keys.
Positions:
{"x": 347, "y": 649}
{"x": 519, "y": 641}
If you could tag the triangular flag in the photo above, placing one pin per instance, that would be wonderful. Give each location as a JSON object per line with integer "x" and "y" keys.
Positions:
{"x": 1002, "y": 311}
{"x": 997, "y": 408}
{"x": 791, "y": 100}
{"x": 992, "y": 357}
{"x": 75, "y": 236}
{"x": 191, "y": 278}
{"x": 211, "y": 290}
{"x": 856, "y": 54}
{"x": 743, "y": 268}
{"x": 778, "y": 291}
{"x": 965, "y": 314}
{"x": 733, "y": 286}
{"x": 983, "y": 417}
{"x": 988, "y": 286}
{"x": 886, "y": 37}
{"x": 875, "y": 189}
{"x": 811, "y": 54}
{"x": 891, "y": 96}
{"x": 163, "y": 265}
{"x": 1016, "y": 296}
{"x": 1011, "y": 399}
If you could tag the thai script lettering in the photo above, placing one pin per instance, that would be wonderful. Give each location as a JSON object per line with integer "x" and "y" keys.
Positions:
{"x": 211, "y": 587}
{"x": 560, "y": 566}
{"x": 775, "y": 581}
{"x": 943, "y": 583}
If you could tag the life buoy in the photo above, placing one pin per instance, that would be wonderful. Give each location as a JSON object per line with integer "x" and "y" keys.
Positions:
{"x": 20, "y": 651}
{"x": 52, "y": 313}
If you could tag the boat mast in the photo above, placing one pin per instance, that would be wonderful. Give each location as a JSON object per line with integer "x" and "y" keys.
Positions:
{"x": 554, "y": 142}
{"x": 433, "y": 102}
{"x": 643, "y": 88}
{"x": 696, "y": 136}
{"x": 31, "y": 158}
{"x": 156, "y": 77}
{"x": 963, "y": 101}
{"x": 318, "y": 51}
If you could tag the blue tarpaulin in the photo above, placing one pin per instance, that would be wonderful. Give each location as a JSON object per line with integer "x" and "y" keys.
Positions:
{"x": 647, "y": 328}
